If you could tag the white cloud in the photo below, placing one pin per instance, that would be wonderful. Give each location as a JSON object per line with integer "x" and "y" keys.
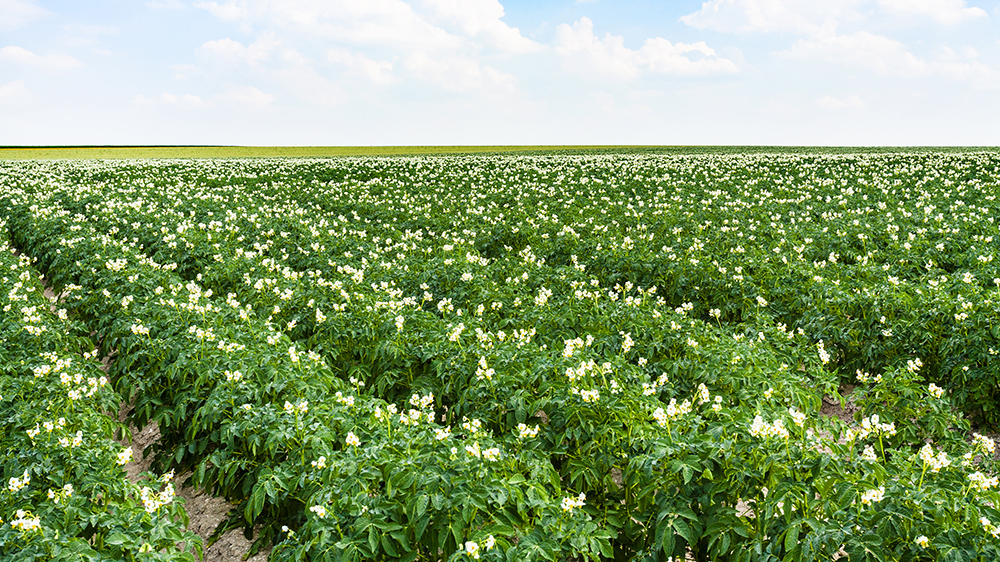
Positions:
{"x": 18, "y": 13}
{"x": 458, "y": 74}
{"x": 886, "y": 56}
{"x": 227, "y": 11}
{"x": 376, "y": 71}
{"x": 50, "y": 63}
{"x": 949, "y": 54}
{"x": 183, "y": 71}
{"x": 609, "y": 57}
{"x": 817, "y": 18}
{"x": 166, "y": 98}
{"x": 14, "y": 93}
{"x": 189, "y": 100}
{"x": 379, "y": 23}
{"x": 858, "y": 50}
{"x": 801, "y": 17}
{"x": 246, "y": 96}
{"x": 832, "y": 103}
{"x": 230, "y": 51}
{"x": 307, "y": 85}
{"x": 165, "y": 5}
{"x": 480, "y": 19}
{"x": 947, "y": 12}
{"x": 976, "y": 73}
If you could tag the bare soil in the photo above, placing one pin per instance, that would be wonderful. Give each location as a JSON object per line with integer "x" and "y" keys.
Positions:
{"x": 204, "y": 510}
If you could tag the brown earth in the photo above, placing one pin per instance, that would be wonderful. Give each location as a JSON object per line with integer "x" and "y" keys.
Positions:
{"x": 204, "y": 510}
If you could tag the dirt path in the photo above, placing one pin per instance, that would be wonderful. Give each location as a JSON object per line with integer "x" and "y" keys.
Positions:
{"x": 204, "y": 510}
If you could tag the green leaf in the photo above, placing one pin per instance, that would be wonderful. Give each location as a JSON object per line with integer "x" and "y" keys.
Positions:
{"x": 116, "y": 539}
{"x": 791, "y": 537}
{"x": 688, "y": 473}
{"x": 387, "y": 545}
{"x": 684, "y": 530}
{"x": 421, "y": 506}
{"x": 256, "y": 503}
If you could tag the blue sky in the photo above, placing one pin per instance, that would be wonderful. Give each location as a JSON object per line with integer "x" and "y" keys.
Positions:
{"x": 424, "y": 72}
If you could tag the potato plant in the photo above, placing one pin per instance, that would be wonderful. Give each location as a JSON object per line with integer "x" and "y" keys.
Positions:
{"x": 617, "y": 356}
{"x": 65, "y": 495}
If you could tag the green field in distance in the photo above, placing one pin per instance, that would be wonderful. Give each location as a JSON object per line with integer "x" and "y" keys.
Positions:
{"x": 142, "y": 152}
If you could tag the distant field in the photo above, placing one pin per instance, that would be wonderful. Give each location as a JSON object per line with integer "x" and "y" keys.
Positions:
{"x": 143, "y": 152}
{"x": 137, "y": 152}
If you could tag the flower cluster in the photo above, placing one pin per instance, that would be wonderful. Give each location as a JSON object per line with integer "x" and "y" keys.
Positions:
{"x": 762, "y": 430}
{"x": 873, "y": 496}
{"x": 982, "y": 482}
{"x": 525, "y": 432}
{"x": 15, "y": 484}
{"x": 570, "y": 503}
{"x": 871, "y": 426}
{"x": 151, "y": 500}
{"x": 26, "y": 522}
{"x": 932, "y": 461}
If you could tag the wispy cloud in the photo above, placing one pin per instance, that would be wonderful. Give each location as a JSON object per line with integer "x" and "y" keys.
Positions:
{"x": 18, "y": 13}
{"x": 14, "y": 93}
{"x": 49, "y": 63}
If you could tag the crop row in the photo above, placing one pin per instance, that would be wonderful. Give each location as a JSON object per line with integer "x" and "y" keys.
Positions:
{"x": 653, "y": 408}
{"x": 272, "y": 429}
{"x": 66, "y": 496}
{"x": 882, "y": 257}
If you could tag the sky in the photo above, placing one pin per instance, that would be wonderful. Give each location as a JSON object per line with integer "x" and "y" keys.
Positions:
{"x": 500, "y": 72}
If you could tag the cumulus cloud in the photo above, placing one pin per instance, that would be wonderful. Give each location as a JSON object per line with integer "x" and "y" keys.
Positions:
{"x": 800, "y": 17}
{"x": 815, "y": 18}
{"x": 381, "y": 41}
{"x": 458, "y": 73}
{"x": 14, "y": 93}
{"x": 18, "y": 13}
{"x": 858, "y": 50}
{"x": 307, "y": 85}
{"x": 882, "y": 55}
{"x": 379, "y": 23}
{"x": 832, "y": 103}
{"x": 227, "y": 11}
{"x": 48, "y": 63}
{"x": 230, "y": 51}
{"x": 376, "y": 71}
{"x": 167, "y": 98}
{"x": 242, "y": 96}
{"x": 246, "y": 96}
{"x": 481, "y": 20}
{"x": 609, "y": 57}
{"x": 165, "y": 5}
{"x": 947, "y": 12}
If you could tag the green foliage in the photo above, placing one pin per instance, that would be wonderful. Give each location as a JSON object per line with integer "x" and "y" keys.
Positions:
{"x": 549, "y": 358}
{"x": 65, "y": 495}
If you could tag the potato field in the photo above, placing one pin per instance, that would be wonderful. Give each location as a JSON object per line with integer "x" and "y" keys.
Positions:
{"x": 506, "y": 357}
